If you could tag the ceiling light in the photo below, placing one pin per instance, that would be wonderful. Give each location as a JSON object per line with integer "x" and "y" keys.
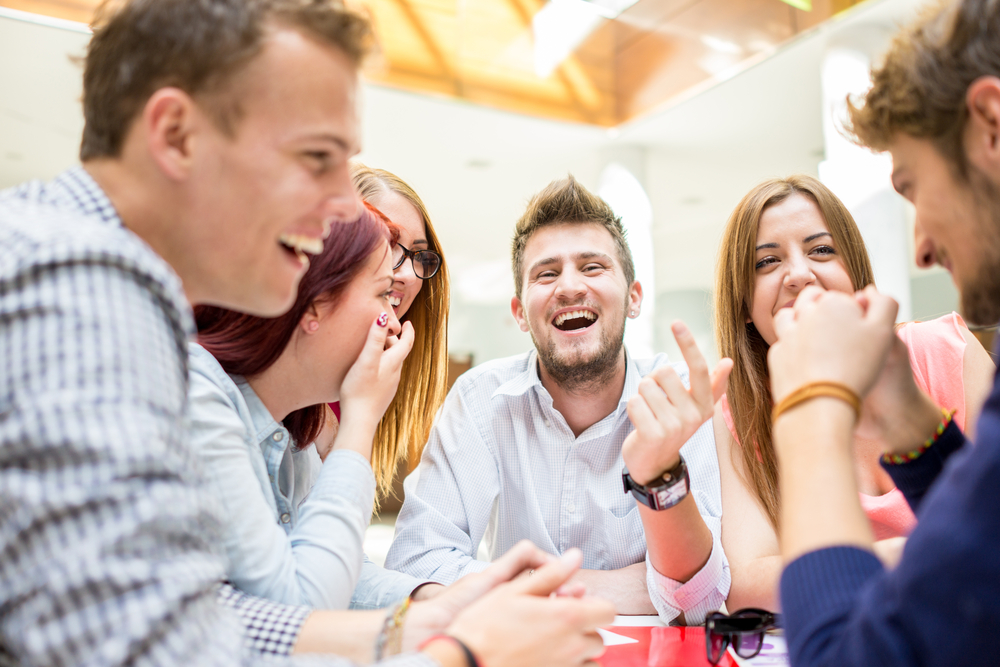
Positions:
{"x": 562, "y": 25}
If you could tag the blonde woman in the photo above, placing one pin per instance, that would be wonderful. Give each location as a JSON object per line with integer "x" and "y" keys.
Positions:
{"x": 421, "y": 295}
{"x": 785, "y": 235}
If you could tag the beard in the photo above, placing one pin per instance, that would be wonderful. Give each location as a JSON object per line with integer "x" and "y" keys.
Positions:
{"x": 577, "y": 373}
{"x": 980, "y": 296}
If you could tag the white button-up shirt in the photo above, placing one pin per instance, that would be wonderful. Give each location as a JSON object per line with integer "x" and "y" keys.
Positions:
{"x": 503, "y": 465}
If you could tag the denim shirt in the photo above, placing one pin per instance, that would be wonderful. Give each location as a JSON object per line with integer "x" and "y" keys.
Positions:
{"x": 293, "y": 525}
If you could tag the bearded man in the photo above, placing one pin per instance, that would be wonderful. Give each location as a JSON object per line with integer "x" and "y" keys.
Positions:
{"x": 531, "y": 446}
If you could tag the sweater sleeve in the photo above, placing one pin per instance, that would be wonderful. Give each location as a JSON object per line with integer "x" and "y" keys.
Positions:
{"x": 941, "y": 604}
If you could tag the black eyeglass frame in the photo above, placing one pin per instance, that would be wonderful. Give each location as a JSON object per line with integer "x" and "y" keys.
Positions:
{"x": 412, "y": 254}
{"x": 749, "y": 621}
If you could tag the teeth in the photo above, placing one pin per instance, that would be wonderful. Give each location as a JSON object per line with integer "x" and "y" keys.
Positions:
{"x": 395, "y": 301}
{"x": 302, "y": 243}
{"x": 574, "y": 314}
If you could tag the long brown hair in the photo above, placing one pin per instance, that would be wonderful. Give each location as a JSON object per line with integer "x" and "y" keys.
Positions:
{"x": 749, "y": 389}
{"x": 404, "y": 429}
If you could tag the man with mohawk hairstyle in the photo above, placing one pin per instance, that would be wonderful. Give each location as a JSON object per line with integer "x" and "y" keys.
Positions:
{"x": 533, "y": 446}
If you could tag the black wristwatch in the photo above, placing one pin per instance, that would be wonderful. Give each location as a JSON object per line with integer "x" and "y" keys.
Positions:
{"x": 663, "y": 493}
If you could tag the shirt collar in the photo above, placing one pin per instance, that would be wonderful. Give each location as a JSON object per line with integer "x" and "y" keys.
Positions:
{"x": 529, "y": 378}
{"x": 78, "y": 189}
{"x": 264, "y": 424}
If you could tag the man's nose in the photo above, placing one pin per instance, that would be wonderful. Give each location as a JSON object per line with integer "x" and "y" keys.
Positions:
{"x": 923, "y": 247}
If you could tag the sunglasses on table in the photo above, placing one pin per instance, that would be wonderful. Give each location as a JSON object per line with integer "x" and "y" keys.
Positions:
{"x": 743, "y": 629}
{"x": 425, "y": 262}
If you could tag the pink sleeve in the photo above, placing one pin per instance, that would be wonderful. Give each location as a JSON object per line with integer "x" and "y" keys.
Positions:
{"x": 937, "y": 356}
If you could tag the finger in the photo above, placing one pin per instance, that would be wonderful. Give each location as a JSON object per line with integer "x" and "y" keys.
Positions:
{"x": 522, "y": 556}
{"x": 548, "y": 578}
{"x": 374, "y": 344}
{"x": 681, "y": 400}
{"x": 641, "y": 416}
{"x": 572, "y": 589}
{"x": 808, "y": 298}
{"x": 784, "y": 322}
{"x": 395, "y": 355}
{"x": 701, "y": 388}
{"x": 593, "y": 647}
{"x": 720, "y": 377}
{"x": 655, "y": 396}
{"x": 882, "y": 309}
{"x": 591, "y": 613}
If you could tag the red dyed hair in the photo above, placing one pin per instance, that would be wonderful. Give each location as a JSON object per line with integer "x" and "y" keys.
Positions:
{"x": 248, "y": 345}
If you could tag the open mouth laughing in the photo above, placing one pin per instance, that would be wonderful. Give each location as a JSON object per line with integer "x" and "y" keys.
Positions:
{"x": 301, "y": 246}
{"x": 574, "y": 319}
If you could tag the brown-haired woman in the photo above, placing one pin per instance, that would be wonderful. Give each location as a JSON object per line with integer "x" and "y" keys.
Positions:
{"x": 783, "y": 236}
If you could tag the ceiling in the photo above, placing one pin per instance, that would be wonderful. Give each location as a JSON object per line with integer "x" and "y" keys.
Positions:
{"x": 484, "y": 51}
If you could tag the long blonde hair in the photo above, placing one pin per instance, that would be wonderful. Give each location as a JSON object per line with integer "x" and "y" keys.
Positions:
{"x": 404, "y": 429}
{"x": 749, "y": 389}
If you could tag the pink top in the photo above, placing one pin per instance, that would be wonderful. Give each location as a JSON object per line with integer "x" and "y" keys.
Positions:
{"x": 937, "y": 353}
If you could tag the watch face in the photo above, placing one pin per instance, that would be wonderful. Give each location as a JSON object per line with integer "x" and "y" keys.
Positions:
{"x": 671, "y": 495}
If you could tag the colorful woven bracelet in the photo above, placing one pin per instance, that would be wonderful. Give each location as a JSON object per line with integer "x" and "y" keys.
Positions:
{"x": 899, "y": 459}
{"x": 390, "y": 639}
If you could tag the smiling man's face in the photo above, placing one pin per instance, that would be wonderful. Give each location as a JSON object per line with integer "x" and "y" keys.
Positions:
{"x": 957, "y": 223}
{"x": 575, "y": 301}
{"x": 258, "y": 201}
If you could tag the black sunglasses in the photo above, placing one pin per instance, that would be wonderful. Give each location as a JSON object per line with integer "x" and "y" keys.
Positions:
{"x": 743, "y": 629}
{"x": 425, "y": 262}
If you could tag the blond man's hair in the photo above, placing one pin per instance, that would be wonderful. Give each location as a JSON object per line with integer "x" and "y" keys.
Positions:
{"x": 920, "y": 87}
{"x": 566, "y": 201}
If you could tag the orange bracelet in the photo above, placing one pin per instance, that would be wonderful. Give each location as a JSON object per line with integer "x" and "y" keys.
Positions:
{"x": 815, "y": 390}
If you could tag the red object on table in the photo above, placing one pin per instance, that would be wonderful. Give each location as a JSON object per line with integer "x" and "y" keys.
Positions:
{"x": 659, "y": 647}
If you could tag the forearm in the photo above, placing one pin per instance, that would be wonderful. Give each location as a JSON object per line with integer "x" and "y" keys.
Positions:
{"x": 755, "y": 584}
{"x": 819, "y": 494}
{"x": 678, "y": 540}
{"x": 625, "y": 588}
{"x": 350, "y": 634}
{"x": 356, "y": 432}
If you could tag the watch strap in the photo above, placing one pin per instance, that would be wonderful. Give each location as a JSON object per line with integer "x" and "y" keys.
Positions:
{"x": 663, "y": 493}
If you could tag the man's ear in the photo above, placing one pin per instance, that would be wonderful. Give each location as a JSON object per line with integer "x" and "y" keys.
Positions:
{"x": 635, "y": 299}
{"x": 517, "y": 310}
{"x": 170, "y": 119}
{"x": 982, "y": 131}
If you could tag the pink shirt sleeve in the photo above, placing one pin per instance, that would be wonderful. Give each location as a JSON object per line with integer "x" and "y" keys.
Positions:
{"x": 937, "y": 356}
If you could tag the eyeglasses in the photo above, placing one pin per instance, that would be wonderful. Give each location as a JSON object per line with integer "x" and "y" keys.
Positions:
{"x": 743, "y": 629}
{"x": 425, "y": 262}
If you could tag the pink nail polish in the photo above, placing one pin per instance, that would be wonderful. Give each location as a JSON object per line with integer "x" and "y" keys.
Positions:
{"x": 383, "y": 320}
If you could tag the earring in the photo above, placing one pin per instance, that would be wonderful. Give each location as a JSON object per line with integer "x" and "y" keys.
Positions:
{"x": 631, "y": 313}
{"x": 314, "y": 326}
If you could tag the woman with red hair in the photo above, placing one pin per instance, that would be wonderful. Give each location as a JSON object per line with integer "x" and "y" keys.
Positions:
{"x": 296, "y": 516}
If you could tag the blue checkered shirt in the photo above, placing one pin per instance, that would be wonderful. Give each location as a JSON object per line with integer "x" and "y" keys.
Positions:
{"x": 109, "y": 546}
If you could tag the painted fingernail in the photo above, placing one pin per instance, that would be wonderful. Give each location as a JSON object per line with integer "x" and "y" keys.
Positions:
{"x": 382, "y": 320}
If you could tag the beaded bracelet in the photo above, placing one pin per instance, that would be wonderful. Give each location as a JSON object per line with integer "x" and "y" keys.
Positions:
{"x": 390, "y": 638}
{"x": 470, "y": 657}
{"x": 898, "y": 459}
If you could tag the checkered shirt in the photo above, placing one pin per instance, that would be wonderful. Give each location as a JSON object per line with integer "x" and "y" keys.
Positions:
{"x": 108, "y": 544}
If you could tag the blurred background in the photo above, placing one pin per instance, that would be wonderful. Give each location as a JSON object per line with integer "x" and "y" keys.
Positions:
{"x": 669, "y": 109}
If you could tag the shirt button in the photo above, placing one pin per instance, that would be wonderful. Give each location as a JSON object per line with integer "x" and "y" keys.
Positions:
{"x": 571, "y": 508}
{"x": 278, "y": 435}
{"x": 285, "y": 518}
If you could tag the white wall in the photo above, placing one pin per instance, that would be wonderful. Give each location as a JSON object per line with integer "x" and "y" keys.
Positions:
{"x": 476, "y": 168}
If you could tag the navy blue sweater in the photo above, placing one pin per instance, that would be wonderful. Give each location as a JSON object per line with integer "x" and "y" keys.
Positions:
{"x": 941, "y": 605}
